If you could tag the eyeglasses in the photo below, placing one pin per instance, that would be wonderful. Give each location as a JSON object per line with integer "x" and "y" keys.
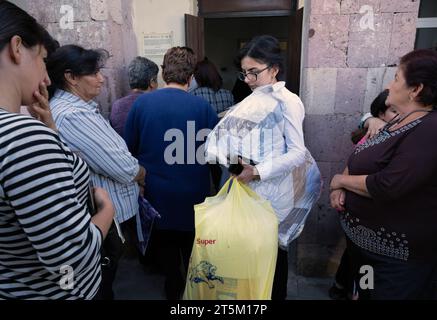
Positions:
{"x": 251, "y": 76}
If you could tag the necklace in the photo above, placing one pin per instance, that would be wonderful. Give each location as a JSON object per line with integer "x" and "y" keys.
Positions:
{"x": 398, "y": 119}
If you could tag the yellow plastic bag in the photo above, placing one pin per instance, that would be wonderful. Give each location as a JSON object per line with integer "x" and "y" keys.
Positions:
{"x": 235, "y": 248}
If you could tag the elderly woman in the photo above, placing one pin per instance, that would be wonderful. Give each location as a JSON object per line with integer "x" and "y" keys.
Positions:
{"x": 76, "y": 80}
{"x": 143, "y": 75}
{"x": 388, "y": 192}
{"x": 47, "y": 234}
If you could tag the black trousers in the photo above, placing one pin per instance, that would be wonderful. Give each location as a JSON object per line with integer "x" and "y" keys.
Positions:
{"x": 173, "y": 258}
{"x": 279, "y": 291}
{"x": 393, "y": 279}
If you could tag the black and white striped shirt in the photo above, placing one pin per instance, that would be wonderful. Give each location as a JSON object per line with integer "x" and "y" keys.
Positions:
{"x": 45, "y": 225}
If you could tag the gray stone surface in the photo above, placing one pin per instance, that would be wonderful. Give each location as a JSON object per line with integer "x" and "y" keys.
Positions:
{"x": 319, "y": 90}
{"x": 105, "y": 24}
{"x": 382, "y": 22}
{"x": 49, "y": 11}
{"x": 355, "y": 6}
{"x": 350, "y": 90}
{"x": 325, "y": 6}
{"x": 99, "y": 10}
{"x": 327, "y": 47}
{"x": 328, "y": 136}
{"x": 403, "y": 36}
{"x": 377, "y": 81}
{"x": 368, "y": 49}
{"x": 400, "y": 6}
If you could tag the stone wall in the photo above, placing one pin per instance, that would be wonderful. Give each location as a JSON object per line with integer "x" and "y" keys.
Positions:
{"x": 351, "y": 53}
{"x": 93, "y": 24}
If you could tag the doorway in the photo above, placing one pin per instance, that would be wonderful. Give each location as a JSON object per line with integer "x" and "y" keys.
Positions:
{"x": 225, "y": 36}
{"x": 221, "y": 28}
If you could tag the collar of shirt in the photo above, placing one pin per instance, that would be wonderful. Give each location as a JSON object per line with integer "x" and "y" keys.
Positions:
{"x": 270, "y": 87}
{"x": 77, "y": 101}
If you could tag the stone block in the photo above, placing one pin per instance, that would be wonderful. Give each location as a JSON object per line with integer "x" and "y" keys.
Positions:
{"x": 400, "y": 6}
{"x": 350, "y": 90}
{"x": 359, "y": 6}
{"x": 368, "y": 49}
{"x": 388, "y": 77}
{"x": 381, "y": 23}
{"x": 64, "y": 36}
{"x": 110, "y": 90}
{"x": 325, "y": 7}
{"x": 328, "y": 136}
{"x": 93, "y": 35}
{"x": 52, "y": 11}
{"x": 328, "y": 41}
{"x": 99, "y": 10}
{"x": 378, "y": 79}
{"x": 373, "y": 86}
{"x": 403, "y": 36}
{"x": 319, "y": 90}
{"x": 116, "y": 11}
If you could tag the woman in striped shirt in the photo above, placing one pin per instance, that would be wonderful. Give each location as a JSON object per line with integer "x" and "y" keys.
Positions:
{"x": 49, "y": 243}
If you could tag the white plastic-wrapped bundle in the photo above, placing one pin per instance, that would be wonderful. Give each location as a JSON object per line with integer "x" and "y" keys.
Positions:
{"x": 265, "y": 129}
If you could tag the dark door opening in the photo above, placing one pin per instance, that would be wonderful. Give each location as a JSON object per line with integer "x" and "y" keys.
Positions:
{"x": 225, "y": 36}
{"x": 220, "y": 37}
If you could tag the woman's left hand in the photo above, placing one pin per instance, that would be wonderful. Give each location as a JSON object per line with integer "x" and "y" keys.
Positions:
{"x": 40, "y": 110}
{"x": 248, "y": 174}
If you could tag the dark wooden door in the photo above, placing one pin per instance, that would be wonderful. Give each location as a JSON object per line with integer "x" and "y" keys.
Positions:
{"x": 194, "y": 35}
{"x": 294, "y": 51}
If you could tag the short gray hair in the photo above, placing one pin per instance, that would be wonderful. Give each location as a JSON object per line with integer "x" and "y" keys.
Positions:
{"x": 141, "y": 72}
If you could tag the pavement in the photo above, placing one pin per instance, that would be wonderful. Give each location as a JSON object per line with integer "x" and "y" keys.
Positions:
{"x": 137, "y": 282}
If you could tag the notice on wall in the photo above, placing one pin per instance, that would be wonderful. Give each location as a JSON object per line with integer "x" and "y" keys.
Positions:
{"x": 157, "y": 44}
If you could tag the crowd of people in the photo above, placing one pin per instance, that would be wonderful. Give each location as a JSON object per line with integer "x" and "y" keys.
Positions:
{"x": 70, "y": 180}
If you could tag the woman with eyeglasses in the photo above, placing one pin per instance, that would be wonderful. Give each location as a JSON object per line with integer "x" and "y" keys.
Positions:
{"x": 387, "y": 194}
{"x": 266, "y": 135}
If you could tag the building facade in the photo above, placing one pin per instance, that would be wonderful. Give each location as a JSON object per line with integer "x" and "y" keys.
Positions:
{"x": 350, "y": 49}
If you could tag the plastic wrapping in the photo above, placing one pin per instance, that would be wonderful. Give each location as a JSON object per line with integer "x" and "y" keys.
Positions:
{"x": 254, "y": 131}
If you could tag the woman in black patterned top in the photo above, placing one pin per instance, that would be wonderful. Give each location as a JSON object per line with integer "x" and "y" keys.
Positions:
{"x": 387, "y": 195}
{"x": 49, "y": 243}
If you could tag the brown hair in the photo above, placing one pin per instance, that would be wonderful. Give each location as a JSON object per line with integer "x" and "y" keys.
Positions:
{"x": 207, "y": 75}
{"x": 178, "y": 65}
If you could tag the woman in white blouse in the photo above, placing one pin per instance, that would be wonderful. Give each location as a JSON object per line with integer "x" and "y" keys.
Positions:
{"x": 265, "y": 132}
